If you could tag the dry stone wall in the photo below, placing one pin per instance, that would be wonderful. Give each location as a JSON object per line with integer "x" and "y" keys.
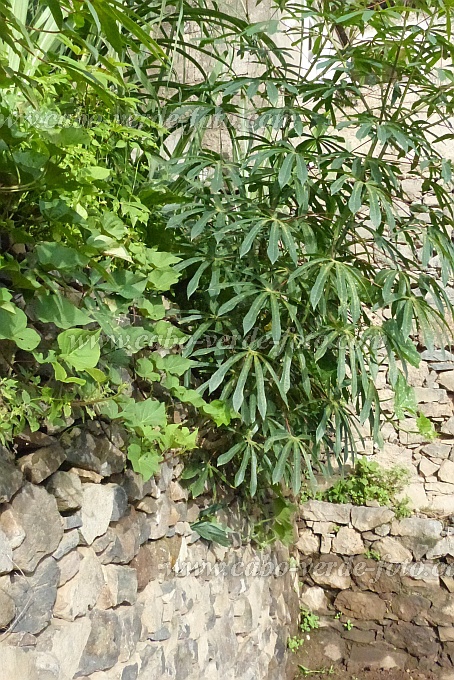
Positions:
{"x": 102, "y": 577}
{"x": 430, "y": 463}
{"x": 383, "y": 588}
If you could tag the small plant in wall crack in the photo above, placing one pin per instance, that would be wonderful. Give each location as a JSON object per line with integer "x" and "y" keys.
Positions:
{"x": 294, "y": 643}
{"x": 348, "y": 625}
{"x": 308, "y": 621}
{"x": 372, "y": 554}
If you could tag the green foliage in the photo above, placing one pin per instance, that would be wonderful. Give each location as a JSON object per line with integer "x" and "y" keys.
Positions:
{"x": 372, "y": 554}
{"x": 294, "y": 643}
{"x": 82, "y": 312}
{"x": 293, "y": 257}
{"x": 304, "y": 253}
{"x": 308, "y": 621}
{"x": 348, "y": 625}
{"x": 370, "y": 482}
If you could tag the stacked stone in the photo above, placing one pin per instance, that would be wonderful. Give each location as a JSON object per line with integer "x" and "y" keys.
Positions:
{"x": 431, "y": 464}
{"x": 101, "y": 575}
{"x": 383, "y": 587}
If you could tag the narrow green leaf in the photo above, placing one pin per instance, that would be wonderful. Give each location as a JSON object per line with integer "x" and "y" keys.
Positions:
{"x": 251, "y": 317}
{"x": 238, "y": 395}
{"x": 261, "y": 397}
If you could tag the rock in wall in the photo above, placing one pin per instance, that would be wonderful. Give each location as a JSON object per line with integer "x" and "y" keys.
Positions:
{"x": 101, "y": 575}
{"x": 383, "y": 587}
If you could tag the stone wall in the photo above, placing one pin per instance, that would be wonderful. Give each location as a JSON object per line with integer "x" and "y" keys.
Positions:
{"x": 383, "y": 588}
{"x": 430, "y": 463}
{"x": 102, "y": 577}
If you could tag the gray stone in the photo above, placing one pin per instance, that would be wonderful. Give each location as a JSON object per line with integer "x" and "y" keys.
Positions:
{"x": 320, "y": 511}
{"x": 409, "y": 607}
{"x": 102, "y": 649}
{"x": 427, "y": 467}
{"x": 442, "y": 504}
{"x": 7, "y": 605}
{"x": 99, "y": 454}
{"x": 97, "y": 509}
{"x": 37, "y": 513}
{"x": 375, "y": 657}
{"x": 447, "y": 380}
{"x": 417, "y": 527}
{"x": 425, "y": 395}
{"x": 10, "y": 479}
{"x": 123, "y": 539}
{"x": 6, "y": 554}
{"x": 348, "y": 542}
{"x": 419, "y": 641}
{"x": 383, "y": 530}
{"x": 314, "y": 599}
{"x": 40, "y": 464}
{"x": 73, "y": 521}
{"x": 366, "y": 519}
{"x": 80, "y": 594}
{"x": 437, "y": 450}
{"x": 11, "y": 527}
{"x": 392, "y": 551}
{"x": 435, "y": 410}
{"x": 130, "y": 626}
{"x": 160, "y": 635}
{"x": 17, "y": 664}
{"x": 437, "y": 355}
{"x": 120, "y": 586}
{"x": 66, "y": 641}
{"x": 446, "y": 472}
{"x": 307, "y": 543}
{"x": 161, "y": 514}
{"x": 120, "y": 502}
{"x": 135, "y": 486}
{"x": 442, "y": 366}
{"x": 67, "y": 489}
{"x": 363, "y": 606}
{"x": 440, "y": 488}
{"x": 448, "y": 426}
{"x": 69, "y": 541}
{"x": 154, "y": 558}
{"x": 331, "y": 571}
{"x": 416, "y": 495}
{"x": 69, "y": 566}
{"x": 444, "y": 547}
{"x": 34, "y": 597}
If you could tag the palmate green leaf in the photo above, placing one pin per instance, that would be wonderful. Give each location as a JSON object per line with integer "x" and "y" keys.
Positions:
{"x": 60, "y": 311}
{"x": 147, "y": 413}
{"x": 146, "y": 463}
{"x": 60, "y": 256}
{"x": 174, "y": 364}
{"x": 219, "y": 411}
{"x": 79, "y": 348}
